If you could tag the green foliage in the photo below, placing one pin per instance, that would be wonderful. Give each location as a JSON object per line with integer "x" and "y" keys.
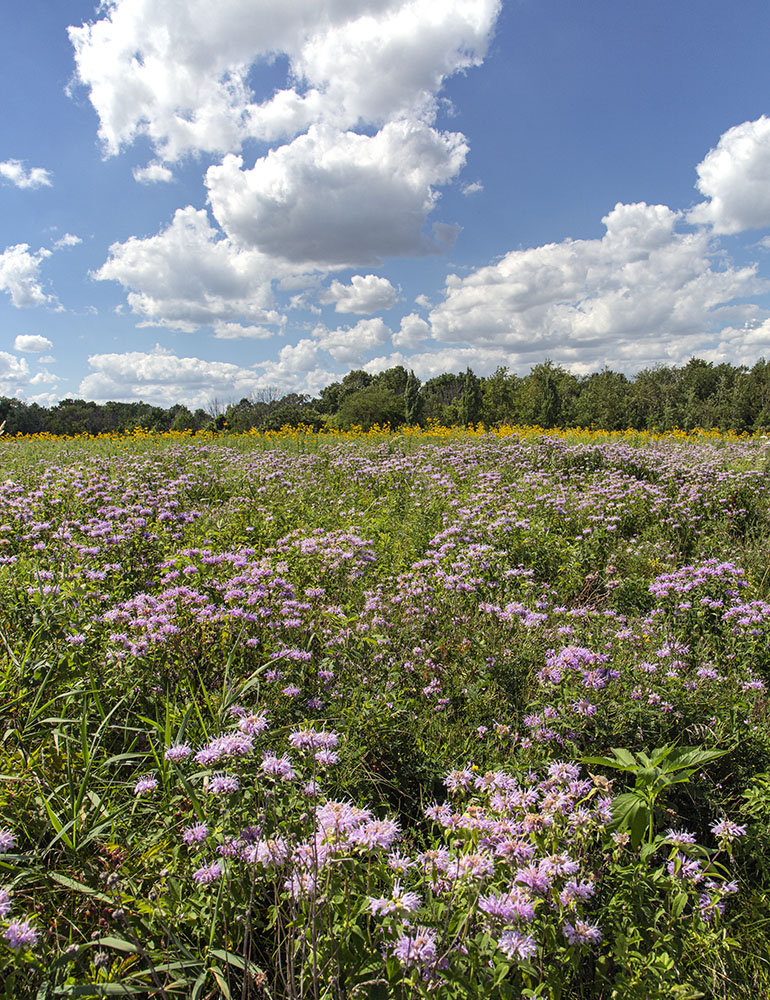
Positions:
{"x": 653, "y": 775}
{"x": 413, "y": 402}
{"x": 376, "y": 404}
{"x": 470, "y": 399}
{"x": 698, "y": 395}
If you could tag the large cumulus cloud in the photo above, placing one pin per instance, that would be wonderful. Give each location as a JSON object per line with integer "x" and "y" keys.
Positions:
{"x": 189, "y": 276}
{"x": 180, "y": 73}
{"x": 331, "y": 199}
{"x": 643, "y": 290}
{"x": 735, "y": 178}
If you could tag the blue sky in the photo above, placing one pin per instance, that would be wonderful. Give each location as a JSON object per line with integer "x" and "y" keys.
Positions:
{"x": 205, "y": 200}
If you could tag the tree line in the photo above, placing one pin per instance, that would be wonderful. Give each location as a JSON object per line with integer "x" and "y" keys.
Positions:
{"x": 698, "y": 394}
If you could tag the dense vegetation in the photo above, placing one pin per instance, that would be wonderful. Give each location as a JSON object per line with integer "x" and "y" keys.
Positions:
{"x": 472, "y": 716}
{"x": 699, "y": 394}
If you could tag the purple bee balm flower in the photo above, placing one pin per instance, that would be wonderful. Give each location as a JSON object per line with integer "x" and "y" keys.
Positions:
{"x": 5, "y": 902}
{"x": 180, "y": 751}
{"x": 309, "y": 739}
{"x": 514, "y": 944}
{"x": 535, "y": 878}
{"x": 398, "y": 902}
{"x": 685, "y": 868}
{"x": 145, "y": 784}
{"x": 680, "y": 837}
{"x": 270, "y": 852}
{"x": 195, "y": 834}
{"x": 335, "y": 818}
{"x": 725, "y": 829}
{"x": 229, "y": 745}
{"x": 582, "y": 933}
{"x": 575, "y": 890}
{"x": 278, "y": 767}
{"x": 560, "y": 771}
{"x": 459, "y": 779}
{"x": 416, "y": 947}
{"x": 253, "y": 724}
{"x": 474, "y": 866}
{"x": 20, "y": 935}
{"x": 399, "y": 862}
{"x": 223, "y": 784}
{"x": 378, "y": 833}
{"x": 207, "y": 874}
{"x": 7, "y": 839}
{"x": 513, "y": 905}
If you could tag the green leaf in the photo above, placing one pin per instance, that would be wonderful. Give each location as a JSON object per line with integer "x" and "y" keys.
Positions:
{"x": 607, "y": 762}
{"x": 695, "y": 757}
{"x": 103, "y": 990}
{"x": 221, "y": 983}
{"x": 500, "y": 973}
{"x": 70, "y": 883}
{"x": 230, "y": 958}
{"x": 680, "y": 901}
{"x": 630, "y": 812}
{"x": 624, "y": 757}
{"x": 647, "y": 776}
{"x": 119, "y": 944}
{"x": 200, "y": 982}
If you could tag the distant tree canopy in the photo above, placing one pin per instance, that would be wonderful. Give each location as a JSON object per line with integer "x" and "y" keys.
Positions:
{"x": 698, "y": 394}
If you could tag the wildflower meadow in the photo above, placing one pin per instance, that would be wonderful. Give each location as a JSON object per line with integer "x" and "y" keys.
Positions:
{"x": 437, "y": 713}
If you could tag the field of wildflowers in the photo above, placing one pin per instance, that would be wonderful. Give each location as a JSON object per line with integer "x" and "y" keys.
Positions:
{"x": 442, "y": 714}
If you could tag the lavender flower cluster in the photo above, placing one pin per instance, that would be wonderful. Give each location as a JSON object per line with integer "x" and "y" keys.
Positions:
{"x": 18, "y": 934}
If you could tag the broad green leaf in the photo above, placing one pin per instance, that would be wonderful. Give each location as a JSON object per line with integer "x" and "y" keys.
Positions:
{"x": 630, "y": 812}
{"x": 606, "y": 762}
{"x": 680, "y": 901}
{"x": 693, "y": 757}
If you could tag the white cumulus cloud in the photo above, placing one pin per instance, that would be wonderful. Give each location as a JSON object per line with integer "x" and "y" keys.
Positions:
{"x": 365, "y": 294}
{"x": 429, "y": 364}
{"x": 14, "y": 375}
{"x": 44, "y": 378}
{"x": 179, "y": 73}
{"x": 188, "y": 276}
{"x": 12, "y": 367}
{"x": 735, "y": 178}
{"x": 163, "y": 378}
{"x": 32, "y": 343}
{"x": 17, "y": 174}
{"x": 334, "y": 198}
{"x": 236, "y": 331}
{"x": 740, "y": 345}
{"x": 299, "y": 368}
{"x": 153, "y": 173}
{"x": 68, "y": 240}
{"x": 350, "y": 345}
{"x": 20, "y": 275}
{"x": 642, "y": 291}
{"x": 413, "y": 331}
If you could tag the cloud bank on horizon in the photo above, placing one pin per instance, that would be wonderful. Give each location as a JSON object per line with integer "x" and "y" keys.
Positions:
{"x": 285, "y": 189}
